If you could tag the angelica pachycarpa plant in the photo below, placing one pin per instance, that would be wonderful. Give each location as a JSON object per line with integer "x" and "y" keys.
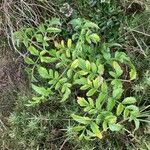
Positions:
{"x": 84, "y": 63}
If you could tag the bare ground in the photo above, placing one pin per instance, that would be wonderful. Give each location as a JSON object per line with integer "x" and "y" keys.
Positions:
{"x": 12, "y": 82}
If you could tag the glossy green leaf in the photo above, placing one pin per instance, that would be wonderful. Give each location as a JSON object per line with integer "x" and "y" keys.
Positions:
{"x": 96, "y": 83}
{"x": 106, "y": 52}
{"x": 90, "y": 134}
{"x": 122, "y": 57}
{"x": 94, "y": 38}
{"x": 57, "y": 86}
{"x": 93, "y": 67}
{"x": 51, "y": 73}
{"x": 92, "y": 111}
{"x": 99, "y": 118}
{"x": 133, "y": 107}
{"x": 75, "y": 64}
{"x": 90, "y": 24}
{"x": 29, "y": 61}
{"x": 40, "y": 90}
{"x": 88, "y": 65}
{"x": 137, "y": 124}
{"x": 116, "y": 84}
{"x": 113, "y": 74}
{"x": 68, "y": 54}
{"x": 43, "y": 52}
{"x": 104, "y": 125}
{"x": 78, "y": 128}
{"x": 85, "y": 87}
{"x": 89, "y": 82}
{"x": 35, "y": 100}
{"x": 111, "y": 119}
{"x": 82, "y": 102}
{"x": 95, "y": 129}
{"x": 100, "y": 69}
{"x": 110, "y": 104}
{"x": 120, "y": 109}
{"x": 82, "y": 120}
{"x": 66, "y": 95}
{"x": 82, "y": 72}
{"x": 33, "y": 50}
{"x": 133, "y": 115}
{"x": 132, "y": 74}
{"x": 53, "y": 30}
{"x": 126, "y": 113}
{"x": 45, "y": 43}
{"x": 129, "y": 100}
{"x": 90, "y": 92}
{"x": 87, "y": 109}
{"x": 26, "y": 41}
{"x": 59, "y": 65}
{"x": 81, "y": 137}
{"x": 62, "y": 44}
{"x": 115, "y": 127}
{"x": 82, "y": 64}
{"x": 117, "y": 93}
{"x": 115, "y": 45}
{"x": 43, "y": 72}
{"x": 117, "y": 68}
{"x": 104, "y": 87}
{"x": 63, "y": 80}
{"x": 76, "y": 22}
{"x": 48, "y": 59}
{"x": 56, "y": 74}
{"x": 100, "y": 99}
{"x": 91, "y": 102}
{"x": 69, "y": 73}
{"x": 39, "y": 37}
{"x": 41, "y": 27}
{"x": 81, "y": 81}
{"x": 63, "y": 89}
{"x": 54, "y": 21}
{"x": 69, "y": 43}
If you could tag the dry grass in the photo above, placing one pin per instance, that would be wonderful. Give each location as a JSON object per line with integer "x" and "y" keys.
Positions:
{"x": 15, "y": 14}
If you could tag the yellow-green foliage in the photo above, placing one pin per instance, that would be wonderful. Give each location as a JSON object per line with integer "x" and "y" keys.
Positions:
{"x": 81, "y": 63}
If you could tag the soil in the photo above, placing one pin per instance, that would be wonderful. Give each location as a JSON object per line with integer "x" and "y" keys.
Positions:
{"x": 12, "y": 81}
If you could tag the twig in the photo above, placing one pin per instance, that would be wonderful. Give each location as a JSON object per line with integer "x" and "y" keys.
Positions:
{"x": 62, "y": 146}
{"x": 3, "y": 124}
{"x": 138, "y": 44}
{"x": 145, "y": 108}
{"x": 138, "y": 32}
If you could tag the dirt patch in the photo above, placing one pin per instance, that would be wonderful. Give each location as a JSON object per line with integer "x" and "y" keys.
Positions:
{"x": 12, "y": 79}
{"x": 134, "y": 6}
{"x": 12, "y": 82}
{"x": 9, "y": 73}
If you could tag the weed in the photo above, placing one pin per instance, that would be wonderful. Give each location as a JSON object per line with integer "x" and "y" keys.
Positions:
{"x": 97, "y": 74}
{"x": 60, "y": 58}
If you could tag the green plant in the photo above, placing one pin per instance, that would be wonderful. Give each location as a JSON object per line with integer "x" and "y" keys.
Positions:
{"x": 28, "y": 130}
{"x": 93, "y": 68}
{"x": 108, "y": 15}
